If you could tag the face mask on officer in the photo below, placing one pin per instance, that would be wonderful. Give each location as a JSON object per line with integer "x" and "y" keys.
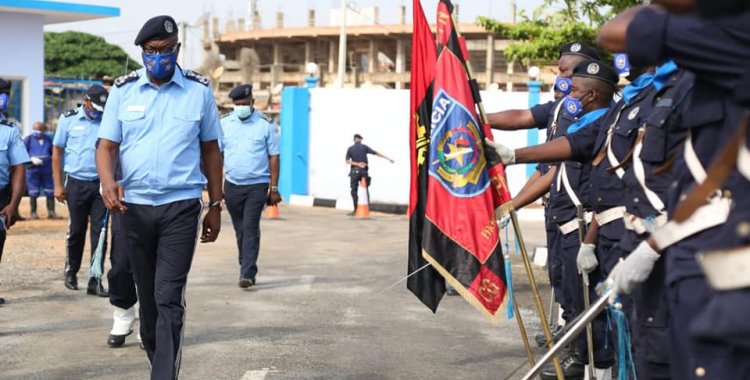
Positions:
{"x": 159, "y": 62}
{"x": 243, "y": 111}
{"x": 4, "y": 100}
{"x": 574, "y": 106}
{"x": 90, "y": 112}
{"x": 563, "y": 85}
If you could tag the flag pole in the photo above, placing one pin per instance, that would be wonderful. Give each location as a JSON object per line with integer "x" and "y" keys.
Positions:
{"x": 519, "y": 237}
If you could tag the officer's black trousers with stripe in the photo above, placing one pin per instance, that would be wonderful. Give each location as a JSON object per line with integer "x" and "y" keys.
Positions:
{"x": 85, "y": 206}
{"x": 161, "y": 243}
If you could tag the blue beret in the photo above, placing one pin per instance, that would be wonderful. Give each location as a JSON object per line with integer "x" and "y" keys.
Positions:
{"x": 596, "y": 70}
{"x": 157, "y": 28}
{"x": 242, "y": 91}
{"x": 579, "y": 48}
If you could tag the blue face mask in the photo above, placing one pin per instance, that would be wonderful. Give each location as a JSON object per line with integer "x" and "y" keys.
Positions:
{"x": 622, "y": 64}
{"x": 573, "y": 106}
{"x": 243, "y": 112}
{"x": 563, "y": 85}
{"x": 3, "y": 102}
{"x": 92, "y": 114}
{"x": 37, "y": 134}
{"x": 160, "y": 66}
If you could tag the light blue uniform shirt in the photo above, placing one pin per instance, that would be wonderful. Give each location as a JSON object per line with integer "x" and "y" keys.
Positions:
{"x": 159, "y": 130}
{"x": 12, "y": 150}
{"x": 76, "y": 133}
{"x": 246, "y": 145}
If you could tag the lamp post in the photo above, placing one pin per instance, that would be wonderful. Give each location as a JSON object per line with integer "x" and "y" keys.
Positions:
{"x": 311, "y": 80}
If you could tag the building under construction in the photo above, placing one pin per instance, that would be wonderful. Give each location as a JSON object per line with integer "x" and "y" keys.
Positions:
{"x": 377, "y": 55}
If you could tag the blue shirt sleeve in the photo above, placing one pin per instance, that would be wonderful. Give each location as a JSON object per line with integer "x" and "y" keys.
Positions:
{"x": 348, "y": 153}
{"x": 582, "y": 142}
{"x": 61, "y": 133}
{"x": 210, "y": 127}
{"x": 110, "y": 127}
{"x": 273, "y": 140}
{"x": 541, "y": 112}
{"x": 370, "y": 150}
{"x": 17, "y": 153}
{"x": 715, "y": 50}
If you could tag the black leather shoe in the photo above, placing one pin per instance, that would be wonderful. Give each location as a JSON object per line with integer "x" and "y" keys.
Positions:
{"x": 246, "y": 282}
{"x": 541, "y": 340}
{"x": 71, "y": 282}
{"x": 2, "y": 300}
{"x": 572, "y": 368}
{"x": 96, "y": 288}
{"x": 115, "y": 341}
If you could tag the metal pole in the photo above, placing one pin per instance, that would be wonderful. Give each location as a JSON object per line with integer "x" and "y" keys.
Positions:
{"x": 535, "y": 292}
{"x": 586, "y": 301}
{"x": 586, "y": 317}
{"x": 342, "y": 46}
{"x": 524, "y": 336}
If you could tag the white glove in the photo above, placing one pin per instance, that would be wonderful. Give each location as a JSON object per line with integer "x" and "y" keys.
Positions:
{"x": 36, "y": 161}
{"x": 634, "y": 269}
{"x": 504, "y": 221}
{"x": 586, "y": 260}
{"x": 507, "y": 155}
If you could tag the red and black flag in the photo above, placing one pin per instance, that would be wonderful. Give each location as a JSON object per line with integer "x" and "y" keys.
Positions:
{"x": 426, "y": 283}
{"x": 465, "y": 184}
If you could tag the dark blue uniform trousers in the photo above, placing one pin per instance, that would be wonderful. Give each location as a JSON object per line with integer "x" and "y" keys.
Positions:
{"x": 120, "y": 276}
{"x": 245, "y": 205}
{"x": 555, "y": 268}
{"x": 161, "y": 243}
{"x": 573, "y": 290}
{"x": 4, "y": 200}
{"x": 84, "y": 205}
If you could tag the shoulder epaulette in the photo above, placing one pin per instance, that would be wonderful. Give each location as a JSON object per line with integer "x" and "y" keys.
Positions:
{"x": 226, "y": 114}
{"x": 127, "y": 78}
{"x": 192, "y": 75}
{"x": 71, "y": 112}
{"x": 6, "y": 122}
{"x": 266, "y": 117}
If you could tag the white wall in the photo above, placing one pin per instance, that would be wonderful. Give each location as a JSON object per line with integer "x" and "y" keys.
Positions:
{"x": 382, "y": 118}
{"x": 23, "y": 59}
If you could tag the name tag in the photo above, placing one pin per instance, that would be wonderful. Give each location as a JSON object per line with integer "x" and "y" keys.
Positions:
{"x": 79, "y": 128}
{"x": 136, "y": 108}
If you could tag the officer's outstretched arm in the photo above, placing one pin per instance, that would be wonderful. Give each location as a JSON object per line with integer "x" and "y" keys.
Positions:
{"x": 613, "y": 34}
{"x": 556, "y": 150}
{"x": 511, "y": 120}
{"x": 534, "y": 190}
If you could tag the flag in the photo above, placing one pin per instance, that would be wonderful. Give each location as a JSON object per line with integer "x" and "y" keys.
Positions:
{"x": 426, "y": 283}
{"x": 465, "y": 184}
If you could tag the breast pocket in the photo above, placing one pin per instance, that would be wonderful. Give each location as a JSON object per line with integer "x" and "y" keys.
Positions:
{"x": 132, "y": 122}
{"x": 4, "y": 152}
{"x": 655, "y": 140}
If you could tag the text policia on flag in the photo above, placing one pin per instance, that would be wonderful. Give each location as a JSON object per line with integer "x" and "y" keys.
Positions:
{"x": 465, "y": 184}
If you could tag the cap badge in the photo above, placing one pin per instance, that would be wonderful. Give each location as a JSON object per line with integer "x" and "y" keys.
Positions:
{"x": 593, "y": 68}
{"x": 168, "y": 26}
{"x": 575, "y": 48}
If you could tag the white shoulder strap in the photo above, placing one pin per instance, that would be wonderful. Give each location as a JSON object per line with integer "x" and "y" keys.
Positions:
{"x": 562, "y": 175}
{"x": 743, "y": 160}
{"x": 640, "y": 175}
{"x": 555, "y": 117}
{"x": 692, "y": 161}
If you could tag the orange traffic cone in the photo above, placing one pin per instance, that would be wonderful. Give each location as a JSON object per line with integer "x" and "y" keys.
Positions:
{"x": 363, "y": 202}
{"x": 272, "y": 212}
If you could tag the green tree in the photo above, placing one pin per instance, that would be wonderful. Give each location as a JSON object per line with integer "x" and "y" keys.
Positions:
{"x": 537, "y": 38}
{"x": 77, "y": 54}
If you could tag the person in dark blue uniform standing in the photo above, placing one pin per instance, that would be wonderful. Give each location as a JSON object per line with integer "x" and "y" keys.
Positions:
{"x": 356, "y": 156}
{"x": 161, "y": 125}
{"x": 250, "y": 143}
{"x": 12, "y": 168}
{"x": 551, "y": 117}
{"x": 717, "y": 51}
{"x": 593, "y": 85}
{"x": 39, "y": 174}
{"x": 73, "y": 153}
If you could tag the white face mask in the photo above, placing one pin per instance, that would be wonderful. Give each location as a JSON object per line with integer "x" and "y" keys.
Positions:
{"x": 243, "y": 112}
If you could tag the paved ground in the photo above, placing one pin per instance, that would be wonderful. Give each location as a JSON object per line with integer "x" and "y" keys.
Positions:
{"x": 315, "y": 313}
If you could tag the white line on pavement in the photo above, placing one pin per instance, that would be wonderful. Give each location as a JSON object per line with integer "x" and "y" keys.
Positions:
{"x": 256, "y": 375}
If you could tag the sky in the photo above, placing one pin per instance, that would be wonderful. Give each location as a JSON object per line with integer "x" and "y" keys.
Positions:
{"x": 133, "y": 13}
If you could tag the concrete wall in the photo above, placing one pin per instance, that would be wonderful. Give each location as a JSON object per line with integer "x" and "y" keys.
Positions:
{"x": 23, "y": 59}
{"x": 382, "y": 118}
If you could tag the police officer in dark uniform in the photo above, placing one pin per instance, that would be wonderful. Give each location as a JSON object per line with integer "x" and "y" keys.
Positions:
{"x": 717, "y": 52}
{"x": 551, "y": 117}
{"x": 162, "y": 125}
{"x": 75, "y": 144}
{"x": 13, "y": 160}
{"x": 39, "y": 174}
{"x": 356, "y": 156}
{"x": 593, "y": 85}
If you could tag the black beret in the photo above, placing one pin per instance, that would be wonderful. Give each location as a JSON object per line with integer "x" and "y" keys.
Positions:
{"x": 4, "y": 85}
{"x": 579, "y": 48}
{"x": 98, "y": 96}
{"x": 242, "y": 91}
{"x": 596, "y": 70}
{"x": 358, "y": 136}
{"x": 157, "y": 28}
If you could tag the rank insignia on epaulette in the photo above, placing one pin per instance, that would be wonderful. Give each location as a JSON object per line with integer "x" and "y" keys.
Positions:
{"x": 71, "y": 112}
{"x": 6, "y": 122}
{"x": 266, "y": 117}
{"x": 133, "y": 76}
{"x": 192, "y": 75}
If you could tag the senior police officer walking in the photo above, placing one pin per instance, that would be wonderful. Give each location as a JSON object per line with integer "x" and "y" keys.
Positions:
{"x": 162, "y": 123}
{"x": 73, "y": 153}
{"x": 250, "y": 143}
{"x": 13, "y": 157}
{"x": 39, "y": 174}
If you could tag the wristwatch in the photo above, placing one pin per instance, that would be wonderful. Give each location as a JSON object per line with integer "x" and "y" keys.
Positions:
{"x": 216, "y": 204}
{"x": 274, "y": 189}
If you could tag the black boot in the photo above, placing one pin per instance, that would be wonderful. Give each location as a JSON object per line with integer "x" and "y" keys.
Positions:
{"x": 541, "y": 340}
{"x": 71, "y": 282}
{"x": 572, "y": 368}
{"x": 2, "y": 301}
{"x": 32, "y": 203}
{"x": 96, "y": 288}
{"x": 51, "y": 214}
